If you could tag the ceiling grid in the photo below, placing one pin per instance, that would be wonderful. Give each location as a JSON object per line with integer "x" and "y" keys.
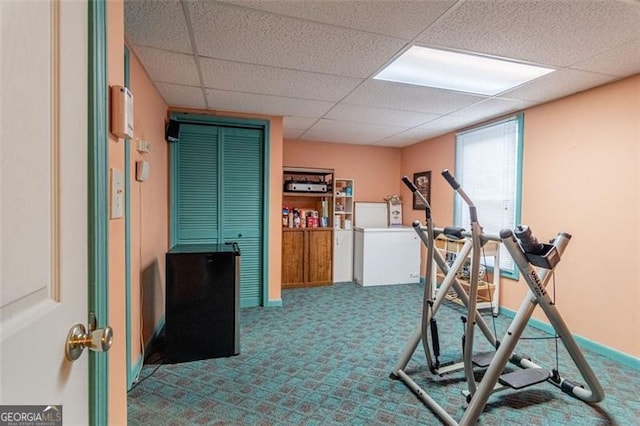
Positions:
{"x": 313, "y": 61}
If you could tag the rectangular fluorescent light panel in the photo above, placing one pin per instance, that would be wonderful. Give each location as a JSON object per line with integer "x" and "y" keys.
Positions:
{"x": 443, "y": 69}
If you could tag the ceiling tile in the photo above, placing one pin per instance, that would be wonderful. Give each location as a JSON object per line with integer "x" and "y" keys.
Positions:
{"x": 622, "y": 61}
{"x": 265, "y": 104}
{"x": 322, "y": 136}
{"x": 352, "y": 131}
{"x": 556, "y": 85}
{"x": 403, "y": 19}
{"x": 158, "y": 24}
{"x": 169, "y": 67}
{"x": 381, "y": 116}
{"x": 553, "y": 32}
{"x": 182, "y": 96}
{"x": 408, "y": 97}
{"x": 241, "y": 77}
{"x": 293, "y": 122}
{"x": 292, "y": 133}
{"x": 246, "y": 35}
{"x": 447, "y": 123}
{"x": 494, "y": 107}
{"x": 419, "y": 133}
{"x": 401, "y": 140}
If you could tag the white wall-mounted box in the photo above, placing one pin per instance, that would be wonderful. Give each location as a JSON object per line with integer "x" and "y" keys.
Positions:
{"x": 121, "y": 112}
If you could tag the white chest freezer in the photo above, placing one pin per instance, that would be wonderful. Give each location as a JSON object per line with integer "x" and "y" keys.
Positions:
{"x": 384, "y": 256}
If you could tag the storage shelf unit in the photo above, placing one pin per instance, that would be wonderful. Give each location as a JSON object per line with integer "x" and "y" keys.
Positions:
{"x": 314, "y": 193}
{"x": 343, "y": 232}
{"x": 307, "y": 238}
{"x": 343, "y": 203}
{"x": 489, "y": 282}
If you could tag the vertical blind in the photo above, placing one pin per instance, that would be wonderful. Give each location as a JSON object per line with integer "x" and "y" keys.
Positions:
{"x": 488, "y": 169}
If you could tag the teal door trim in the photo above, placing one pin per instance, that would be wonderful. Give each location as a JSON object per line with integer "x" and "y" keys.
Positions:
{"x": 185, "y": 117}
{"x": 132, "y": 370}
{"x": 97, "y": 209}
{"x": 267, "y": 222}
{"x": 264, "y": 125}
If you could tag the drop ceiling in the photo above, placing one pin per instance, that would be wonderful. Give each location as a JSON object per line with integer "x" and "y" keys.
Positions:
{"x": 313, "y": 61}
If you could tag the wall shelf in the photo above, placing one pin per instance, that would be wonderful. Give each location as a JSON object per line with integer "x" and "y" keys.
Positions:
{"x": 305, "y": 194}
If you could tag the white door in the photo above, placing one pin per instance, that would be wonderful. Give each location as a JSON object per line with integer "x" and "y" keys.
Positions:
{"x": 43, "y": 203}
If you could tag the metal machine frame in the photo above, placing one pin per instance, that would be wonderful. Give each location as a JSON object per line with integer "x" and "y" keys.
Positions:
{"x": 537, "y": 268}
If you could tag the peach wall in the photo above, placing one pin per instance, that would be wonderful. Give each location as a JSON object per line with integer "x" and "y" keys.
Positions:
{"x": 434, "y": 155}
{"x": 149, "y": 211}
{"x": 275, "y": 211}
{"x": 117, "y": 354}
{"x": 376, "y": 170}
{"x": 580, "y": 175}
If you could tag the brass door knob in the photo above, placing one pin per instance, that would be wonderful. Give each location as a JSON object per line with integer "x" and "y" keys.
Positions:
{"x": 98, "y": 340}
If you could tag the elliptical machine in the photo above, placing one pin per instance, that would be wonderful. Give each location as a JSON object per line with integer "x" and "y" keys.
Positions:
{"x": 537, "y": 263}
{"x": 428, "y": 330}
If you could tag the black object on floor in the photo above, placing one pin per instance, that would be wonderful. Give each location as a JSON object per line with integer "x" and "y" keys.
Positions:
{"x": 522, "y": 378}
{"x": 202, "y": 302}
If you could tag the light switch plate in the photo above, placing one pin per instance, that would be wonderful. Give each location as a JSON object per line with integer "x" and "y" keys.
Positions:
{"x": 144, "y": 147}
{"x": 117, "y": 194}
{"x": 142, "y": 170}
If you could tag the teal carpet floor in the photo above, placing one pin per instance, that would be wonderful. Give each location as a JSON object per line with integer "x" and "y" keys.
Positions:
{"x": 324, "y": 358}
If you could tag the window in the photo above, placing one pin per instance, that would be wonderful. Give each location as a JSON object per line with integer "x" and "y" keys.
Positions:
{"x": 489, "y": 169}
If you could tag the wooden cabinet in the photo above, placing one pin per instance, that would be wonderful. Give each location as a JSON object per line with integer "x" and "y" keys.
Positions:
{"x": 306, "y": 257}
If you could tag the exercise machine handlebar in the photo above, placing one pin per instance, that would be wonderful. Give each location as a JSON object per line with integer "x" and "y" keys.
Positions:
{"x": 409, "y": 184}
{"x": 459, "y": 233}
{"x": 473, "y": 212}
{"x": 452, "y": 181}
{"x": 412, "y": 187}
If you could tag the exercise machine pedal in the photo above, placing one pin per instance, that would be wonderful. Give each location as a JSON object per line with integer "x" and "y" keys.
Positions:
{"x": 483, "y": 359}
{"x": 522, "y": 378}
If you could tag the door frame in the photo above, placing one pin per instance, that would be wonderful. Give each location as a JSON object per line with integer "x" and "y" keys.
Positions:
{"x": 133, "y": 369}
{"x": 98, "y": 273}
{"x": 264, "y": 125}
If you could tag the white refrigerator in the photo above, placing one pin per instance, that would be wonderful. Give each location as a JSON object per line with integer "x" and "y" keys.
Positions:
{"x": 383, "y": 255}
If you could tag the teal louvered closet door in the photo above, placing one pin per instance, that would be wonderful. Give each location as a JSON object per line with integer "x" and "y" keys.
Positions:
{"x": 242, "y": 190}
{"x": 197, "y": 189}
{"x": 219, "y": 185}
